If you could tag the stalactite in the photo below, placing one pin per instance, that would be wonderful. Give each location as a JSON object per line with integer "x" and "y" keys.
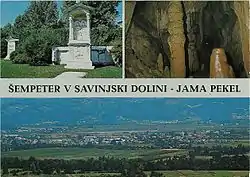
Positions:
{"x": 176, "y": 40}
{"x": 194, "y": 11}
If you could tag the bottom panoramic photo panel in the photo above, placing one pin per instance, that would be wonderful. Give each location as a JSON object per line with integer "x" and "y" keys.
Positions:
{"x": 125, "y": 137}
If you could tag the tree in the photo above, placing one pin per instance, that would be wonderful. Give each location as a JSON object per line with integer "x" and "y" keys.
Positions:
{"x": 134, "y": 169}
{"x": 5, "y": 33}
{"x": 156, "y": 174}
{"x": 38, "y": 45}
{"x": 38, "y": 30}
{"x": 117, "y": 48}
{"x": 5, "y": 170}
{"x": 42, "y": 13}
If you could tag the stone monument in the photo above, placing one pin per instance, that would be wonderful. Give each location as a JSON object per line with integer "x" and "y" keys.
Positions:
{"x": 78, "y": 53}
{"x": 11, "y": 47}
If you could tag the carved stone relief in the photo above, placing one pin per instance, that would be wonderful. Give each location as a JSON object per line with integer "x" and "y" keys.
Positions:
{"x": 80, "y": 30}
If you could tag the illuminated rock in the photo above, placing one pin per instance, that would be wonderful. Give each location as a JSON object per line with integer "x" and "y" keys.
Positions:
{"x": 176, "y": 40}
{"x": 160, "y": 63}
{"x": 219, "y": 67}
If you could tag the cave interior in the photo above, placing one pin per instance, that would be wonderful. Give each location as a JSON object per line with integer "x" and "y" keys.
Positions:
{"x": 214, "y": 24}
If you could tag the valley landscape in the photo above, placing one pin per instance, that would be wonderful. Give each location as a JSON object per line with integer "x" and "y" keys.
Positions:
{"x": 125, "y": 137}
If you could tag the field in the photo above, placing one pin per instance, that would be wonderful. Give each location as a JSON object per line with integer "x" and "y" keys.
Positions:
{"x": 190, "y": 173}
{"x": 178, "y": 173}
{"x": 84, "y": 153}
{"x": 9, "y": 70}
{"x": 149, "y": 154}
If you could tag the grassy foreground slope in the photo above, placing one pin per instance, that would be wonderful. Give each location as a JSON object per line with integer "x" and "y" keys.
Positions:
{"x": 10, "y": 70}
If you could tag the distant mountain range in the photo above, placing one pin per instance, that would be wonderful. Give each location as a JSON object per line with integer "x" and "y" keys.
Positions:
{"x": 16, "y": 112}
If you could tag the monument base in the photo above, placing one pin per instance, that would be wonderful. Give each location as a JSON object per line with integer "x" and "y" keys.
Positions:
{"x": 71, "y": 64}
{"x": 79, "y": 57}
{"x": 7, "y": 57}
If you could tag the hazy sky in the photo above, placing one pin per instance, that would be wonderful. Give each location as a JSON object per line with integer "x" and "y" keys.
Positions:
{"x": 11, "y": 9}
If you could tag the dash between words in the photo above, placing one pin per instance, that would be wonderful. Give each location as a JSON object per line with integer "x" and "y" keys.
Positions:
{"x": 121, "y": 88}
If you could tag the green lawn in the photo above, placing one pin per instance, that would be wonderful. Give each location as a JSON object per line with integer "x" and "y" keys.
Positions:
{"x": 10, "y": 70}
{"x": 85, "y": 153}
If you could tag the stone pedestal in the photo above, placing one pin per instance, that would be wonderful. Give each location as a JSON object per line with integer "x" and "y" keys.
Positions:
{"x": 11, "y": 47}
{"x": 79, "y": 57}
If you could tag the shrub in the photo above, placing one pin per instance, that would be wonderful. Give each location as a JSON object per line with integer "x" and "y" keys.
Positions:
{"x": 117, "y": 53}
{"x": 20, "y": 58}
{"x": 117, "y": 47}
{"x": 38, "y": 45}
{"x": 13, "y": 55}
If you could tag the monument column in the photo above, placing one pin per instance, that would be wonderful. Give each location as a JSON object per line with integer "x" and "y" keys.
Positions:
{"x": 71, "y": 33}
{"x": 88, "y": 25}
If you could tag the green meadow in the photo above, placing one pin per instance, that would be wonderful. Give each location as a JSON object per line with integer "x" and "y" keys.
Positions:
{"x": 85, "y": 153}
{"x": 10, "y": 70}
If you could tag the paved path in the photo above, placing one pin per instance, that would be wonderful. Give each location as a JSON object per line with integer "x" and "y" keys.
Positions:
{"x": 71, "y": 75}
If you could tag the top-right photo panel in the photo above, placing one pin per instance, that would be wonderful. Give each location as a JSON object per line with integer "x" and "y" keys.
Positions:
{"x": 187, "y": 39}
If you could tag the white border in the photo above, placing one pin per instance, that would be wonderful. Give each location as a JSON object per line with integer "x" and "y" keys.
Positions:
{"x": 172, "y": 85}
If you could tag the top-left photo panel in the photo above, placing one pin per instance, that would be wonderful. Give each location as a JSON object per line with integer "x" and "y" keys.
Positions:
{"x": 61, "y": 39}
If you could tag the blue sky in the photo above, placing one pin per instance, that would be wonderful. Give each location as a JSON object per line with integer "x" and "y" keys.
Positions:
{"x": 11, "y": 9}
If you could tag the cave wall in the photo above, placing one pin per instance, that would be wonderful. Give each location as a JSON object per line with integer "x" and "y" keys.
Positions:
{"x": 242, "y": 11}
{"x": 194, "y": 33}
{"x": 176, "y": 39}
{"x": 146, "y": 53}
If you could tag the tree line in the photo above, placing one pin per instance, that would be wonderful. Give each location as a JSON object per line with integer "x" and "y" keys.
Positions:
{"x": 220, "y": 150}
{"x": 126, "y": 167}
{"x": 43, "y": 26}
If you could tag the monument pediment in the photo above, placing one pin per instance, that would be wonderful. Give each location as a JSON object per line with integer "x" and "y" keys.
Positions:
{"x": 78, "y": 7}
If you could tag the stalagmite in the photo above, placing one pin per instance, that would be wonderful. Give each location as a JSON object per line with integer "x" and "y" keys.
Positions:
{"x": 219, "y": 67}
{"x": 160, "y": 63}
{"x": 176, "y": 40}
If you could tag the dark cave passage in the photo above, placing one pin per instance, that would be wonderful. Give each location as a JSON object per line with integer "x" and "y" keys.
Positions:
{"x": 219, "y": 30}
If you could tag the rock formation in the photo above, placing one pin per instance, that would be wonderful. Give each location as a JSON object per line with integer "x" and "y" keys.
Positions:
{"x": 176, "y": 38}
{"x": 242, "y": 12}
{"x": 130, "y": 5}
{"x": 219, "y": 67}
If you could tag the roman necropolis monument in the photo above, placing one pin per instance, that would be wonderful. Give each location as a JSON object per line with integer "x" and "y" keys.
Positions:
{"x": 78, "y": 53}
{"x": 11, "y": 47}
